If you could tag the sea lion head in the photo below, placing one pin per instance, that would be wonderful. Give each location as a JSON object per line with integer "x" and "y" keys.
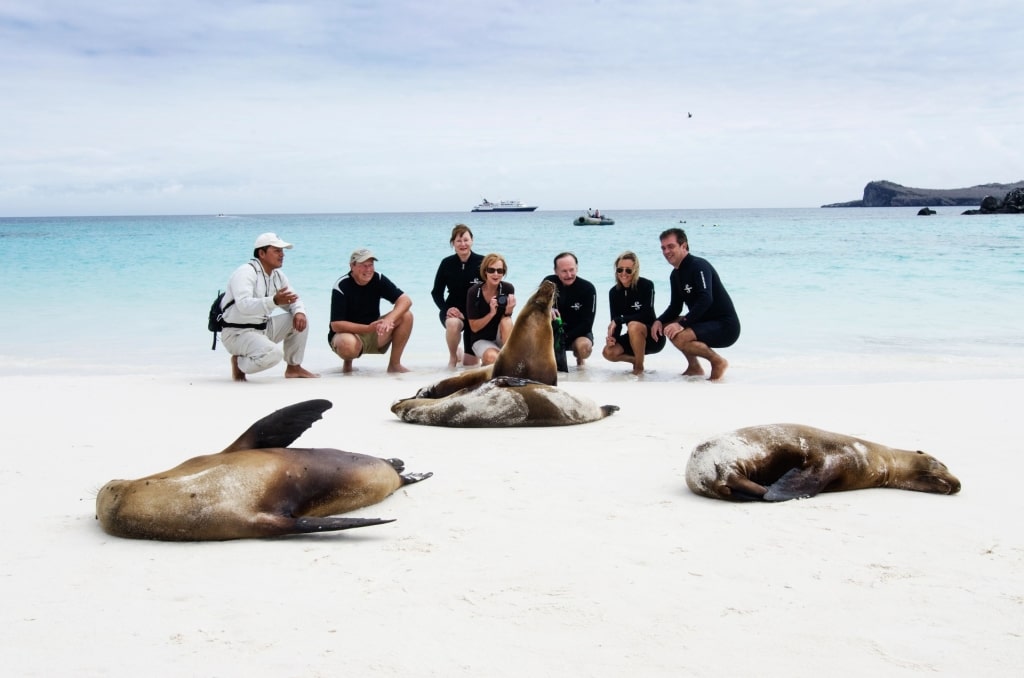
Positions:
{"x": 922, "y": 472}
{"x": 545, "y": 296}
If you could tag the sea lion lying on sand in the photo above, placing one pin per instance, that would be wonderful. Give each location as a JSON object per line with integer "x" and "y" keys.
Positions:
{"x": 257, "y": 487}
{"x": 788, "y": 461}
{"x": 502, "y": 402}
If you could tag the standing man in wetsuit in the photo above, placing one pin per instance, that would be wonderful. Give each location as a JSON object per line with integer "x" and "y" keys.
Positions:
{"x": 710, "y": 321}
{"x": 576, "y": 306}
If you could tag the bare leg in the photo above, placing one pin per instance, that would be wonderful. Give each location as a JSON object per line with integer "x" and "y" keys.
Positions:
{"x": 616, "y": 354}
{"x": 453, "y": 337}
{"x": 347, "y": 347}
{"x": 638, "y": 342}
{"x": 582, "y": 349}
{"x": 236, "y": 374}
{"x": 686, "y": 341}
{"x": 399, "y": 338}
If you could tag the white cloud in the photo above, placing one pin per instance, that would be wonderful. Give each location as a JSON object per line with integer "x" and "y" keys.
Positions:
{"x": 128, "y": 107}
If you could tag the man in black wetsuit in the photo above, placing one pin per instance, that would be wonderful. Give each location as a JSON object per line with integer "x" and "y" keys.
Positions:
{"x": 710, "y": 321}
{"x": 576, "y": 306}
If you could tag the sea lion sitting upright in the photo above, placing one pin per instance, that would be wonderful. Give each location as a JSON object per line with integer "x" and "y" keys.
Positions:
{"x": 789, "y": 461}
{"x": 502, "y": 402}
{"x": 528, "y": 353}
{"x": 257, "y": 487}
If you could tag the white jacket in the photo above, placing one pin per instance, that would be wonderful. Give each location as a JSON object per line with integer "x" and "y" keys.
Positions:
{"x": 253, "y": 292}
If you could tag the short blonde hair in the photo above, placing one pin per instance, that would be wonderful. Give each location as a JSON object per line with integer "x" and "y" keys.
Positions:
{"x": 489, "y": 261}
{"x": 628, "y": 256}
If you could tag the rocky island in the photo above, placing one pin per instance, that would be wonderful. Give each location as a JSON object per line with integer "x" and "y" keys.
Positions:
{"x": 889, "y": 194}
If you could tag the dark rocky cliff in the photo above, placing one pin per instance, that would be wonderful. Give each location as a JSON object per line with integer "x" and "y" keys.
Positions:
{"x": 888, "y": 194}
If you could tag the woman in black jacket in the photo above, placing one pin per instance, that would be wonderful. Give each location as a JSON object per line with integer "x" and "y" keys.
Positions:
{"x": 455, "y": 275}
{"x": 631, "y": 302}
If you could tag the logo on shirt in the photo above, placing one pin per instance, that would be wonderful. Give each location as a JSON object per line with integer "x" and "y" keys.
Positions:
{"x": 577, "y": 306}
{"x": 637, "y": 306}
{"x": 687, "y": 288}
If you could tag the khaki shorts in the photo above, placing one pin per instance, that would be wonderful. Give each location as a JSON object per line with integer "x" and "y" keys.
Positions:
{"x": 369, "y": 342}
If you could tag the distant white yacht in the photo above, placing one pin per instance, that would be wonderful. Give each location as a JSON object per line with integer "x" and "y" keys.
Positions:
{"x": 503, "y": 206}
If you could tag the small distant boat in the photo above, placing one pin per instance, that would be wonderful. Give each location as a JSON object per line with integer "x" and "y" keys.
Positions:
{"x": 593, "y": 218}
{"x": 503, "y": 206}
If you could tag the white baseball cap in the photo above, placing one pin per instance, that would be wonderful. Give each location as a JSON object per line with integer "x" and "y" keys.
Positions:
{"x": 271, "y": 240}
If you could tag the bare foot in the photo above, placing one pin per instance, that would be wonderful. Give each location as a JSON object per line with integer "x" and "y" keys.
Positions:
{"x": 697, "y": 371}
{"x": 397, "y": 369}
{"x": 236, "y": 374}
{"x": 346, "y": 366}
{"x": 718, "y": 368}
{"x": 637, "y": 371}
{"x": 298, "y": 372}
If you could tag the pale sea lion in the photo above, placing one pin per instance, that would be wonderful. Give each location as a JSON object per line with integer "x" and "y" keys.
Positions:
{"x": 528, "y": 353}
{"x": 502, "y": 402}
{"x": 789, "y": 461}
{"x": 257, "y": 487}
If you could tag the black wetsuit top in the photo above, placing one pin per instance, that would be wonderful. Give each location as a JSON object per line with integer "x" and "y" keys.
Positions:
{"x": 709, "y": 310}
{"x": 634, "y": 304}
{"x": 629, "y": 304}
{"x": 577, "y": 304}
{"x": 453, "y": 280}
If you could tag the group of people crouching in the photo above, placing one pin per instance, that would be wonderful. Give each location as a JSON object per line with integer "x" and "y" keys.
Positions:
{"x": 476, "y": 305}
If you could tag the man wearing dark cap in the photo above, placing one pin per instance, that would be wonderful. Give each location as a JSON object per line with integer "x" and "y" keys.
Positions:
{"x": 357, "y": 327}
{"x": 252, "y": 329}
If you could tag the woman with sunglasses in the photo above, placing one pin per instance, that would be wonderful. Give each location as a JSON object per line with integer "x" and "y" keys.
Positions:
{"x": 489, "y": 307}
{"x": 631, "y": 303}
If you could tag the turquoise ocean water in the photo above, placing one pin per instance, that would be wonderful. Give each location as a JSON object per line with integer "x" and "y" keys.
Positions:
{"x": 824, "y": 295}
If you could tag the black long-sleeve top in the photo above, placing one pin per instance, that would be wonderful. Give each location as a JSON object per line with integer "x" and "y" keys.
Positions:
{"x": 696, "y": 284}
{"x": 632, "y": 304}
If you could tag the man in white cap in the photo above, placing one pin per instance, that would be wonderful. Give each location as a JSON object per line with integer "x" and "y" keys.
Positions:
{"x": 252, "y": 331}
{"x": 357, "y": 327}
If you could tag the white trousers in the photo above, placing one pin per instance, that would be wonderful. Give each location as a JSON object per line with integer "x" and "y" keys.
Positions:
{"x": 258, "y": 350}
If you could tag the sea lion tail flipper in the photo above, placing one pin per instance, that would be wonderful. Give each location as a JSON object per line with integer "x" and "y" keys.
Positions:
{"x": 282, "y": 427}
{"x": 308, "y": 524}
{"x": 410, "y": 478}
{"x": 607, "y": 410}
{"x": 797, "y": 483}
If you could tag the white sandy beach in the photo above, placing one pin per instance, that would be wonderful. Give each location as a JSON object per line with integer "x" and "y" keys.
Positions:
{"x": 574, "y": 551}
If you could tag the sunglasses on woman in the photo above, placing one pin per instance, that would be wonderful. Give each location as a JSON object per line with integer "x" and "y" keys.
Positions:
{"x": 499, "y": 271}
{"x": 627, "y": 271}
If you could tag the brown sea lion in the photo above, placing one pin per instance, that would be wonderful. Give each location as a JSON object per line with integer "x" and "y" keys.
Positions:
{"x": 257, "y": 487}
{"x": 778, "y": 462}
{"x": 528, "y": 353}
{"x": 502, "y": 402}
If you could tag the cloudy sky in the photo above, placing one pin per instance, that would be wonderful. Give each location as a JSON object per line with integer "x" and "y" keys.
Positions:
{"x": 210, "y": 106}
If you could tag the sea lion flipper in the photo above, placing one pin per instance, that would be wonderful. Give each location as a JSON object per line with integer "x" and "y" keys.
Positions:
{"x": 410, "y": 478}
{"x": 310, "y": 524}
{"x": 511, "y": 382}
{"x": 282, "y": 427}
{"x": 796, "y": 483}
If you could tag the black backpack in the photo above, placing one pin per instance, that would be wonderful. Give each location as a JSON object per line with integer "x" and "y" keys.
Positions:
{"x": 216, "y": 321}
